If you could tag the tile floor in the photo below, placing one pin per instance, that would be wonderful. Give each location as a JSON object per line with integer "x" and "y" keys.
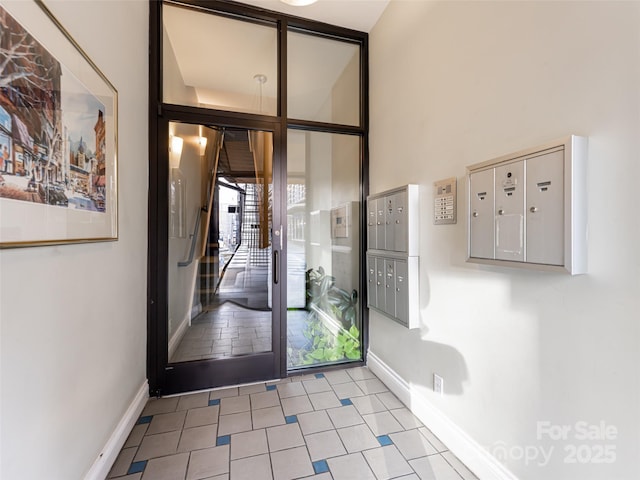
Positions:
{"x": 231, "y": 330}
{"x": 227, "y": 331}
{"x": 340, "y": 425}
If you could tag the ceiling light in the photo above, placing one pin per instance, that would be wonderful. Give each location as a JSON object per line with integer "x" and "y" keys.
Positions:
{"x": 299, "y": 3}
{"x": 175, "y": 151}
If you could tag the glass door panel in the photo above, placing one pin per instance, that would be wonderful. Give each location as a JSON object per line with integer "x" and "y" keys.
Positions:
{"x": 323, "y": 249}
{"x": 323, "y": 78}
{"x": 220, "y": 256}
{"x": 217, "y": 62}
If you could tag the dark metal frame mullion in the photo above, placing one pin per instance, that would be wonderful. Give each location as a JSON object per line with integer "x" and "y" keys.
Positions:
{"x": 155, "y": 337}
{"x": 282, "y": 169}
{"x": 364, "y": 191}
{"x": 199, "y": 112}
{"x": 231, "y": 10}
{"x": 313, "y": 126}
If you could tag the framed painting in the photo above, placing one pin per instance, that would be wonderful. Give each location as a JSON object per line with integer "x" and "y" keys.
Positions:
{"x": 58, "y": 135}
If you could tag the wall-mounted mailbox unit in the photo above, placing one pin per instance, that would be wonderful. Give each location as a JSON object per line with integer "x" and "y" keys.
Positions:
{"x": 392, "y": 254}
{"x": 392, "y": 220}
{"x": 528, "y": 209}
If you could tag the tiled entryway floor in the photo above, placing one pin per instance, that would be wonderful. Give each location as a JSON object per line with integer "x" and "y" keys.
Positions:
{"x": 340, "y": 425}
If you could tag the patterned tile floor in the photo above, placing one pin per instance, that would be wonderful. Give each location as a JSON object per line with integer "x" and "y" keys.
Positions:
{"x": 340, "y": 425}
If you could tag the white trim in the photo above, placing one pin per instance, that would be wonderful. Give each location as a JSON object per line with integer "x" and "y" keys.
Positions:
{"x": 100, "y": 468}
{"x": 484, "y": 465}
{"x": 178, "y": 334}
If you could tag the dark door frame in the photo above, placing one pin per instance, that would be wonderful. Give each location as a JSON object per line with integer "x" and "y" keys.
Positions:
{"x": 179, "y": 377}
{"x": 164, "y": 378}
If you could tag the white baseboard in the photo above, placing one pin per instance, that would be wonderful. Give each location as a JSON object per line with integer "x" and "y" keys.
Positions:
{"x": 473, "y": 455}
{"x": 178, "y": 334}
{"x": 100, "y": 468}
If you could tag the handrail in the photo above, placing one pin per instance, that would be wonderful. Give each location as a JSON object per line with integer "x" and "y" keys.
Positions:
{"x": 194, "y": 239}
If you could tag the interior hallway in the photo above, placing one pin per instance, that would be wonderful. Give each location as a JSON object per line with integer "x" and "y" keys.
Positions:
{"x": 340, "y": 425}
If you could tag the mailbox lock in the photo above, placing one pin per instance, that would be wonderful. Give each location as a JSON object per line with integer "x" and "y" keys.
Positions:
{"x": 533, "y": 209}
{"x": 475, "y": 214}
{"x": 500, "y": 212}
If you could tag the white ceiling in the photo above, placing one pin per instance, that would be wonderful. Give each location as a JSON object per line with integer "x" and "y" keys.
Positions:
{"x": 359, "y": 15}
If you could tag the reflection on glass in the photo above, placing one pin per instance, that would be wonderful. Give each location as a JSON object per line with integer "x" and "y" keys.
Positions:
{"x": 323, "y": 301}
{"x": 220, "y": 275}
{"x": 216, "y": 62}
{"x": 323, "y": 78}
{"x": 177, "y": 205}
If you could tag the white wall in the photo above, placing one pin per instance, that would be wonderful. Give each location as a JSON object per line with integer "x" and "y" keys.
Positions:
{"x": 455, "y": 83}
{"x": 73, "y": 318}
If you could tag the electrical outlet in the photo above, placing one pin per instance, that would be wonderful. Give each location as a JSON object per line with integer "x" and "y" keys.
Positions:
{"x": 438, "y": 384}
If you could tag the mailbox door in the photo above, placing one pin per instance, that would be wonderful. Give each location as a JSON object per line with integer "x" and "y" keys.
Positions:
{"x": 380, "y": 223}
{"x": 390, "y": 290}
{"x": 545, "y": 209}
{"x": 481, "y": 228}
{"x": 372, "y": 289}
{"x": 380, "y": 284}
{"x": 509, "y": 211}
{"x": 372, "y": 242}
{"x": 402, "y": 292}
{"x": 399, "y": 221}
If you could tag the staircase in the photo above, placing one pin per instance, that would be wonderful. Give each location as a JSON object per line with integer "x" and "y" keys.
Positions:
{"x": 241, "y": 276}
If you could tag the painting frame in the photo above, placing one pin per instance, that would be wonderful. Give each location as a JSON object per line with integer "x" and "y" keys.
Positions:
{"x": 58, "y": 135}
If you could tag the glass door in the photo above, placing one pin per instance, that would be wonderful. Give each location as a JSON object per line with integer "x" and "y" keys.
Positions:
{"x": 223, "y": 257}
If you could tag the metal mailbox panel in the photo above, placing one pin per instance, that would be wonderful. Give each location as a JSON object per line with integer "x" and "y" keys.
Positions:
{"x": 509, "y": 211}
{"x": 540, "y": 215}
{"x": 545, "y": 208}
{"x": 481, "y": 229}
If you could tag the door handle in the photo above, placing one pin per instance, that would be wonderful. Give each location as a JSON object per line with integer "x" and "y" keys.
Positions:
{"x": 276, "y": 266}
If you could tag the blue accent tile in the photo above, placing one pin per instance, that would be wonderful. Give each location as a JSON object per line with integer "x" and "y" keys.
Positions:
{"x": 270, "y": 387}
{"x": 137, "y": 467}
{"x": 223, "y": 440}
{"x": 214, "y": 402}
{"x": 384, "y": 440}
{"x": 345, "y": 402}
{"x": 320, "y": 466}
{"x": 291, "y": 419}
{"x": 319, "y": 375}
{"x": 146, "y": 419}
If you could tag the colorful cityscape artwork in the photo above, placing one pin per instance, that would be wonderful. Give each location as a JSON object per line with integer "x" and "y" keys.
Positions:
{"x": 52, "y": 128}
